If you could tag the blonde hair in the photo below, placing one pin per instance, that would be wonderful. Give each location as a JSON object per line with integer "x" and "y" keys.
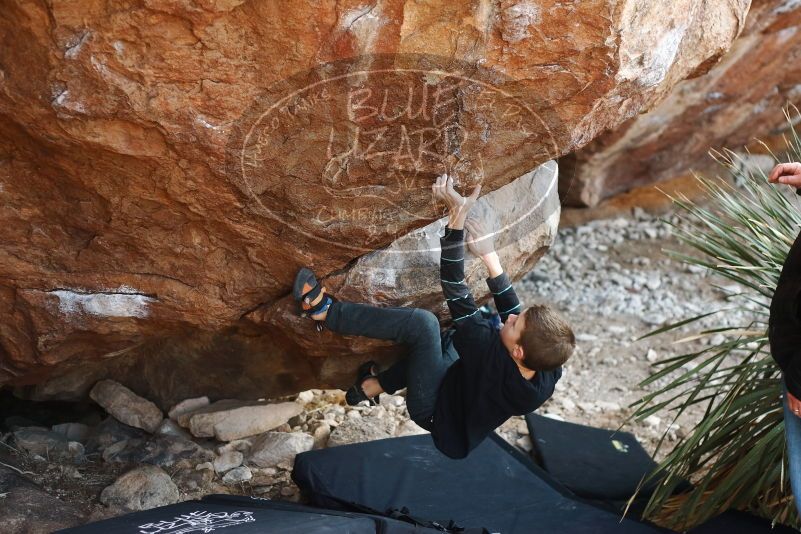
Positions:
{"x": 547, "y": 339}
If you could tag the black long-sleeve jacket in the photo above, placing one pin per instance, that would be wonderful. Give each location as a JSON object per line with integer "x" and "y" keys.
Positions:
{"x": 784, "y": 329}
{"x": 484, "y": 387}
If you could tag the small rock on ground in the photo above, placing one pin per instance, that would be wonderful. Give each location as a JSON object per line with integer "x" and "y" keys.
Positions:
{"x": 239, "y": 474}
{"x": 167, "y": 451}
{"x": 228, "y": 421}
{"x": 227, "y": 461}
{"x": 360, "y": 430}
{"x": 143, "y": 488}
{"x": 187, "y": 406}
{"x": 168, "y": 427}
{"x": 305, "y": 397}
{"x": 193, "y": 479}
{"x": 320, "y": 435}
{"x": 126, "y": 406}
{"x": 48, "y": 444}
{"x": 272, "y": 448}
{"x": 109, "y": 432}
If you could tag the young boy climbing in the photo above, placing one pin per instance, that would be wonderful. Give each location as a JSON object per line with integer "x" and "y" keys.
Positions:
{"x": 463, "y": 384}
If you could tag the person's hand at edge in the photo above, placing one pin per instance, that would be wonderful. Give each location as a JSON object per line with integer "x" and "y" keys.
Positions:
{"x": 794, "y": 404}
{"x": 786, "y": 173}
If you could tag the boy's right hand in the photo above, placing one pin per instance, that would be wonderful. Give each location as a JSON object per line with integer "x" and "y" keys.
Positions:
{"x": 786, "y": 173}
{"x": 458, "y": 206}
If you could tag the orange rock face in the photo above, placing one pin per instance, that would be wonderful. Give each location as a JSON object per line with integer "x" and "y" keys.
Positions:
{"x": 739, "y": 99}
{"x": 165, "y": 167}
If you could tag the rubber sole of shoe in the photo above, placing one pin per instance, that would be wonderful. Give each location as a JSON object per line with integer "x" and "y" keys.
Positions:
{"x": 304, "y": 275}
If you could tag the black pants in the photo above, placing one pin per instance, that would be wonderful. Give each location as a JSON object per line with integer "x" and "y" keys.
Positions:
{"x": 428, "y": 356}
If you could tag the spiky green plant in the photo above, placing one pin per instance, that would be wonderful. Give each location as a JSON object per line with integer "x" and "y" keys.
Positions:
{"x": 735, "y": 456}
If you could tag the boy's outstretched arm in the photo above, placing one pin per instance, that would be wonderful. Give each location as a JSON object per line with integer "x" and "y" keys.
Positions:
{"x": 481, "y": 244}
{"x": 451, "y": 271}
{"x": 451, "y": 274}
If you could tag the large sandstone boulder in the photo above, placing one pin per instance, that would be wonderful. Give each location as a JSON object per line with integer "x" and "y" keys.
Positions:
{"x": 168, "y": 165}
{"x": 741, "y": 98}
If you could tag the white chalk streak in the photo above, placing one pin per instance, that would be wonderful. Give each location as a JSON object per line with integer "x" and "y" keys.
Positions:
{"x": 121, "y": 302}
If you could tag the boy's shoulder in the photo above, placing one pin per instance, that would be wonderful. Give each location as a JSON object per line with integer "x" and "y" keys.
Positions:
{"x": 477, "y": 337}
{"x": 546, "y": 379}
{"x": 477, "y": 325}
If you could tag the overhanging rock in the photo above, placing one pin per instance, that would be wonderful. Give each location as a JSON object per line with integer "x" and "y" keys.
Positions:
{"x": 165, "y": 167}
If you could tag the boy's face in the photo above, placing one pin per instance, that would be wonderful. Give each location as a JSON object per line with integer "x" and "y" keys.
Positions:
{"x": 511, "y": 333}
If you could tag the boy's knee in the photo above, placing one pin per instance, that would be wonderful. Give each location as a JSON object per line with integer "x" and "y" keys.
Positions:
{"x": 424, "y": 324}
{"x": 427, "y": 321}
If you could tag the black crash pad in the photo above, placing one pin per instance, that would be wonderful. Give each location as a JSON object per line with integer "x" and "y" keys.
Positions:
{"x": 230, "y": 514}
{"x": 591, "y": 462}
{"x": 608, "y": 465}
{"x": 495, "y": 487}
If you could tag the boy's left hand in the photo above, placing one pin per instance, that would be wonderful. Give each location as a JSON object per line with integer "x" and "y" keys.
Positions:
{"x": 481, "y": 243}
{"x": 479, "y": 239}
{"x": 458, "y": 206}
